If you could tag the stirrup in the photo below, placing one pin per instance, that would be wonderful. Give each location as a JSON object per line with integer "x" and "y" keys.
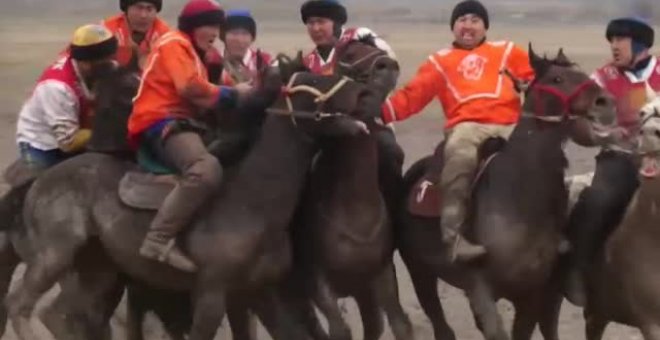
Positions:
{"x": 168, "y": 249}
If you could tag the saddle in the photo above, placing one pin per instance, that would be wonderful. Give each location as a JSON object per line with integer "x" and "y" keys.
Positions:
{"x": 424, "y": 198}
{"x": 146, "y": 186}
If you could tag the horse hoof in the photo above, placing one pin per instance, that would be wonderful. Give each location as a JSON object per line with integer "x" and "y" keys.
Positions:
{"x": 23, "y": 329}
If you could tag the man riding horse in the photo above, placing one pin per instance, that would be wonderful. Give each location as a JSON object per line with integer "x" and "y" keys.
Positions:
{"x": 240, "y": 58}
{"x": 174, "y": 86}
{"x": 633, "y": 79}
{"x": 55, "y": 121}
{"x": 325, "y": 20}
{"x": 137, "y": 29}
{"x": 479, "y": 102}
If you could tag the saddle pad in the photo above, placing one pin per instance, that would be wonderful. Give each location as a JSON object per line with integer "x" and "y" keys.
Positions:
{"x": 425, "y": 197}
{"x": 144, "y": 190}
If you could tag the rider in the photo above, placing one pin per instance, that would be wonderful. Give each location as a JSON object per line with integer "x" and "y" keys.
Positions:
{"x": 136, "y": 29}
{"x": 479, "y": 102}
{"x": 173, "y": 88}
{"x": 633, "y": 79}
{"x": 54, "y": 122}
{"x": 325, "y": 20}
{"x": 240, "y": 59}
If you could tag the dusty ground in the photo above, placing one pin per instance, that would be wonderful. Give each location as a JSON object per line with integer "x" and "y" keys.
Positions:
{"x": 30, "y": 44}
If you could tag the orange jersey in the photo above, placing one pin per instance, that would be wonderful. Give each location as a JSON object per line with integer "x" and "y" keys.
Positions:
{"x": 118, "y": 25}
{"x": 174, "y": 84}
{"x": 469, "y": 84}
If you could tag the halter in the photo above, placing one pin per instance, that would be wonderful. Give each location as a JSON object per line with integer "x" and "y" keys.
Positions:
{"x": 320, "y": 99}
{"x": 351, "y": 66}
{"x": 566, "y": 100}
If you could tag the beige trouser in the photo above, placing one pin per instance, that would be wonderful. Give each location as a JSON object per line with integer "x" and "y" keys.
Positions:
{"x": 460, "y": 164}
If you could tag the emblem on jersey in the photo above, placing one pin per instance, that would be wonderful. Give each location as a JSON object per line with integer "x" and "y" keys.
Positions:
{"x": 611, "y": 72}
{"x": 472, "y": 66}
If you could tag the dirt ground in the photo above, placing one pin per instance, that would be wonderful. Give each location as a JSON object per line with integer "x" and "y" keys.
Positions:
{"x": 30, "y": 44}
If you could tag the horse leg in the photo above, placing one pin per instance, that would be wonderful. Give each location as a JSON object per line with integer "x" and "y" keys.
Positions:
{"x": 426, "y": 289}
{"x": 326, "y": 299}
{"x": 372, "y": 318}
{"x": 47, "y": 266}
{"x": 525, "y": 319}
{"x": 595, "y": 327}
{"x": 135, "y": 313}
{"x": 209, "y": 310}
{"x": 549, "y": 319}
{"x": 277, "y": 319}
{"x": 243, "y": 325}
{"x": 387, "y": 290}
{"x": 8, "y": 262}
{"x": 485, "y": 312}
{"x": 651, "y": 332}
{"x": 89, "y": 296}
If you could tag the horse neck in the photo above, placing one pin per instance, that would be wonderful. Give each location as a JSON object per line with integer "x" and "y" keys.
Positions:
{"x": 271, "y": 177}
{"x": 352, "y": 163}
{"x": 534, "y": 163}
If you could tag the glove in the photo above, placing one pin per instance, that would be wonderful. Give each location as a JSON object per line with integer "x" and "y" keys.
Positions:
{"x": 78, "y": 142}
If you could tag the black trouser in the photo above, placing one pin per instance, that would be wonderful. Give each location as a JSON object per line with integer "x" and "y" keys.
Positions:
{"x": 601, "y": 206}
{"x": 390, "y": 164}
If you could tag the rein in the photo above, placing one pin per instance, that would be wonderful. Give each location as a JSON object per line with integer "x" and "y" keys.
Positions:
{"x": 320, "y": 98}
{"x": 537, "y": 91}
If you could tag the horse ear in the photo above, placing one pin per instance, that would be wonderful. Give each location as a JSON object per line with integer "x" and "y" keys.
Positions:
{"x": 561, "y": 58}
{"x": 539, "y": 64}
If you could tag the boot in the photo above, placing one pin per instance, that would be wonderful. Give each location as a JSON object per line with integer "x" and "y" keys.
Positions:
{"x": 458, "y": 247}
{"x": 162, "y": 247}
{"x": 574, "y": 287}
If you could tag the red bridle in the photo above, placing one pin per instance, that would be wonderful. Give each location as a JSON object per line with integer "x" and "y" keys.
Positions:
{"x": 537, "y": 91}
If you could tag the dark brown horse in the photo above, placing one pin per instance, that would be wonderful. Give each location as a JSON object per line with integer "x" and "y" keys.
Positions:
{"x": 624, "y": 279}
{"x": 344, "y": 237}
{"x": 240, "y": 241}
{"x": 518, "y": 210}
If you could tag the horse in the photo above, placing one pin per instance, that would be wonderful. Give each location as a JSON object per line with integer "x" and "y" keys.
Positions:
{"x": 239, "y": 240}
{"x": 344, "y": 235}
{"x": 622, "y": 281}
{"x": 517, "y": 208}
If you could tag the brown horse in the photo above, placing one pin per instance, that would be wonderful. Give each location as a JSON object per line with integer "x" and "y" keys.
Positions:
{"x": 240, "y": 240}
{"x": 344, "y": 237}
{"x": 518, "y": 210}
{"x": 624, "y": 279}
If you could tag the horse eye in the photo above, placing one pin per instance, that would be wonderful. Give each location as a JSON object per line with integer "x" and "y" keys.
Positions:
{"x": 657, "y": 133}
{"x": 558, "y": 80}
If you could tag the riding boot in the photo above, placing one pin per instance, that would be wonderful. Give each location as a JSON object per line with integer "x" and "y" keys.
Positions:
{"x": 201, "y": 173}
{"x": 458, "y": 248}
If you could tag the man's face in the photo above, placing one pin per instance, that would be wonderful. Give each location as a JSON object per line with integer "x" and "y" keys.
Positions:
{"x": 237, "y": 42}
{"x": 321, "y": 31}
{"x": 141, "y": 16}
{"x": 469, "y": 31}
{"x": 621, "y": 48}
{"x": 205, "y": 36}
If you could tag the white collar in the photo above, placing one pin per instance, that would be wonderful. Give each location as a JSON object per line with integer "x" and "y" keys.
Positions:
{"x": 645, "y": 74}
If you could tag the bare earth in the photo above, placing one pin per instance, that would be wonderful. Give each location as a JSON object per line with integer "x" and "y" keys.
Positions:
{"x": 29, "y": 44}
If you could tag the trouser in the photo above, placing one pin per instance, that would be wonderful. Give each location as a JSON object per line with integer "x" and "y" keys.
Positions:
{"x": 200, "y": 177}
{"x": 601, "y": 206}
{"x": 39, "y": 160}
{"x": 460, "y": 163}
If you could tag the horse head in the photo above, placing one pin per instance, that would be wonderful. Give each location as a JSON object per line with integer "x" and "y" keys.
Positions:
{"x": 114, "y": 90}
{"x": 364, "y": 62}
{"x": 561, "y": 93}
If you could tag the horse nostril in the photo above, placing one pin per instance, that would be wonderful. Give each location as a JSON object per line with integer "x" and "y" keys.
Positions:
{"x": 601, "y": 101}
